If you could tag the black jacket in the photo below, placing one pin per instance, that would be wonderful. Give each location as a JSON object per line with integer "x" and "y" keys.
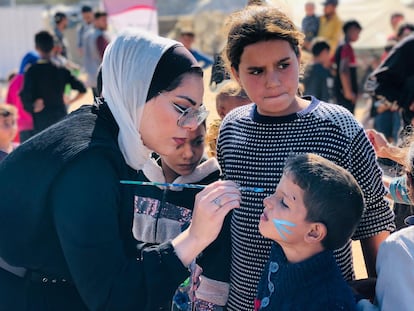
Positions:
{"x": 65, "y": 214}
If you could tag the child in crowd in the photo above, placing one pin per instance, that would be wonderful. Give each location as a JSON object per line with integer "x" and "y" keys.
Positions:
{"x": 263, "y": 54}
{"x": 24, "y": 120}
{"x": 315, "y": 209}
{"x": 8, "y": 129}
{"x": 44, "y": 85}
{"x": 310, "y": 25}
{"x": 346, "y": 83}
{"x": 317, "y": 80}
{"x": 162, "y": 213}
{"x": 395, "y": 260}
{"x": 229, "y": 97}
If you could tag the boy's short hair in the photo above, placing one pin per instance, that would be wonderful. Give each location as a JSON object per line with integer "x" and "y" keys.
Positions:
{"x": 99, "y": 14}
{"x": 58, "y": 17}
{"x": 86, "y": 9}
{"x": 44, "y": 41}
{"x": 351, "y": 23}
{"x": 319, "y": 45}
{"x": 7, "y": 110}
{"x": 331, "y": 196}
{"x": 231, "y": 89}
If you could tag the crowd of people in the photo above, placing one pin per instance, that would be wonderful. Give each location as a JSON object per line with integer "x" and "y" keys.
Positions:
{"x": 137, "y": 202}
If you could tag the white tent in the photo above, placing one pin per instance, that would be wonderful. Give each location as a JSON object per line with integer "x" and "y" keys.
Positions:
{"x": 373, "y": 15}
{"x": 19, "y": 23}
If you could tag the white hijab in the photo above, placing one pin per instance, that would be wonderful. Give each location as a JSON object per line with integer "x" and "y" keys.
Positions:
{"x": 128, "y": 65}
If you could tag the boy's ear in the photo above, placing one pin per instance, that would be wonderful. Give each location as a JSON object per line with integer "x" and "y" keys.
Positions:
{"x": 316, "y": 233}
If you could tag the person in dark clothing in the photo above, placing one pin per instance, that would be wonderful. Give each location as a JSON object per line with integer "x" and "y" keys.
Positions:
{"x": 70, "y": 230}
{"x": 317, "y": 80}
{"x": 315, "y": 209}
{"x": 44, "y": 86}
{"x": 310, "y": 25}
{"x": 60, "y": 24}
{"x": 345, "y": 83}
{"x": 393, "y": 79}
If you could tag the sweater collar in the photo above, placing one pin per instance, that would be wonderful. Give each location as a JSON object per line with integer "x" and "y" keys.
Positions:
{"x": 292, "y": 276}
{"x": 259, "y": 118}
{"x": 153, "y": 172}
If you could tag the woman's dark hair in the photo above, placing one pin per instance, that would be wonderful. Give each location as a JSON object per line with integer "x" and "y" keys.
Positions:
{"x": 173, "y": 64}
{"x": 177, "y": 81}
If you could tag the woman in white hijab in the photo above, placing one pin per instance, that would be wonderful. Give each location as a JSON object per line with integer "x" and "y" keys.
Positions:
{"x": 65, "y": 217}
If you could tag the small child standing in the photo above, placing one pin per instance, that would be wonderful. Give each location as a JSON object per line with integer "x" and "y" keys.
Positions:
{"x": 230, "y": 96}
{"x": 8, "y": 129}
{"x": 317, "y": 80}
{"x": 24, "y": 120}
{"x": 310, "y": 25}
{"x": 346, "y": 82}
{"x": 315, "y": 209}
{"x": 163, "y": 213}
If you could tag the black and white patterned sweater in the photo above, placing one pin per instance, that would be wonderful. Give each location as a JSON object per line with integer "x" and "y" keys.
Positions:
{"x": 252, "y": 150}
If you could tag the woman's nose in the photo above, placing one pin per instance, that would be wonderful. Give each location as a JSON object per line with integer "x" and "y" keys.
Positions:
{"x": 191, "y": 125}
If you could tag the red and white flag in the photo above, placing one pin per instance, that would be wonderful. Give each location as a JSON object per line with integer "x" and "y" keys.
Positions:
{"x": 132, "y": 13}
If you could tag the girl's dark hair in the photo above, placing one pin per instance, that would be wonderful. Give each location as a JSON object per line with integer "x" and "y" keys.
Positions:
{"x": 257, "y": 23}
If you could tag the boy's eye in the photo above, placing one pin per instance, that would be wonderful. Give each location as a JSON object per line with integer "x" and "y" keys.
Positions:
{"x": 282, "y": 202}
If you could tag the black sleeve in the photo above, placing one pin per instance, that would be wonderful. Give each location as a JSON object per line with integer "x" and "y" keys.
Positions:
{"x": 215, "y": 259}
{"x": 74, "y": 82}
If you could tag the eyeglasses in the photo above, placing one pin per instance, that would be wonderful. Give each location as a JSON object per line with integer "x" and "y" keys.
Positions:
{"x": 190, "y": 115}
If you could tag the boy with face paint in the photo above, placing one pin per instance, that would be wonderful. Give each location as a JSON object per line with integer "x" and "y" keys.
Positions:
{"x": 315, "y": 209}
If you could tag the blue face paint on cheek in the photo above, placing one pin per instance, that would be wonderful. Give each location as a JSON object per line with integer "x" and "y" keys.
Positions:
{"x": 281, "y": 225}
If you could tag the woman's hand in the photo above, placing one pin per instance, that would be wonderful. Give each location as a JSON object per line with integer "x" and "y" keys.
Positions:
{"x": 210, "y": 208}
{"x": 379, "y": 142}
{"x": 383, "y": 149}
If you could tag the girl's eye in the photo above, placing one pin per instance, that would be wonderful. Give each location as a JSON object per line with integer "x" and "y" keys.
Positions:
{"x": 283, "y": 65}
{"x": 256, "y": 72}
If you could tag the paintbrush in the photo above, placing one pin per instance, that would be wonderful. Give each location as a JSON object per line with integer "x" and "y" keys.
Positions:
{"x": 196, "y": 186}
